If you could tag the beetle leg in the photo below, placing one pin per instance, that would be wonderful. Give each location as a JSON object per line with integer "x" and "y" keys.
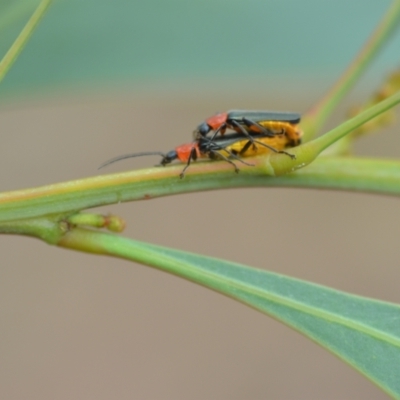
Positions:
{"x": 244, "y": 131}
{"x": 246, "y": 147}
{"x": 219, "y": 155}
{"x": 192, "y": 156}
{"x": 264, "y": 130}
{"x": 292, "y": 156}
{"x": 221, "y": 129}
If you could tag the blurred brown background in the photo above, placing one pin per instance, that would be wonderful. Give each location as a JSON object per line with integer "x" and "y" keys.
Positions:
{"x": 77, "y": 326}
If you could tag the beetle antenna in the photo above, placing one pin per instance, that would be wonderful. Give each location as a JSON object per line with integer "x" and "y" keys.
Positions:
{"x": 123, "y": 157}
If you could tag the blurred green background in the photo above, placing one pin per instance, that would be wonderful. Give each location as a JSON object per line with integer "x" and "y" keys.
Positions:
{"x": 178, "y": 42}
{"x": 102, "y": 78}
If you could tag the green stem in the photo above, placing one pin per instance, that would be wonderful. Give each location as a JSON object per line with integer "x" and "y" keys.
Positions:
{"x": 50, "y": 228}
{"x": 347, "y": 173}
{"x": 16, "y": 48}
{"x": 316, "y": 117}
{"x": 353, "y": 174}
{"x": 322, "y": 142}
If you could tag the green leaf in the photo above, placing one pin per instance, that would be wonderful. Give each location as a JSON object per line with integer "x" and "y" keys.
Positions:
{"x": 363, "y": 332}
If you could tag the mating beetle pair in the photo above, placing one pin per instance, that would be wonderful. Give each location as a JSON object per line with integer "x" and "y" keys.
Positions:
{"x": 250, "y": 122}
{"x": 256, "y": 132}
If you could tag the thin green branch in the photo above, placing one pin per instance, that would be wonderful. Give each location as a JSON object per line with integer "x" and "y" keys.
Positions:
{"x": 322, "y": 142}
{"x": 19, "y": 43}
{"x": 316, "y": 117}
{"x": 352, "y": 174}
